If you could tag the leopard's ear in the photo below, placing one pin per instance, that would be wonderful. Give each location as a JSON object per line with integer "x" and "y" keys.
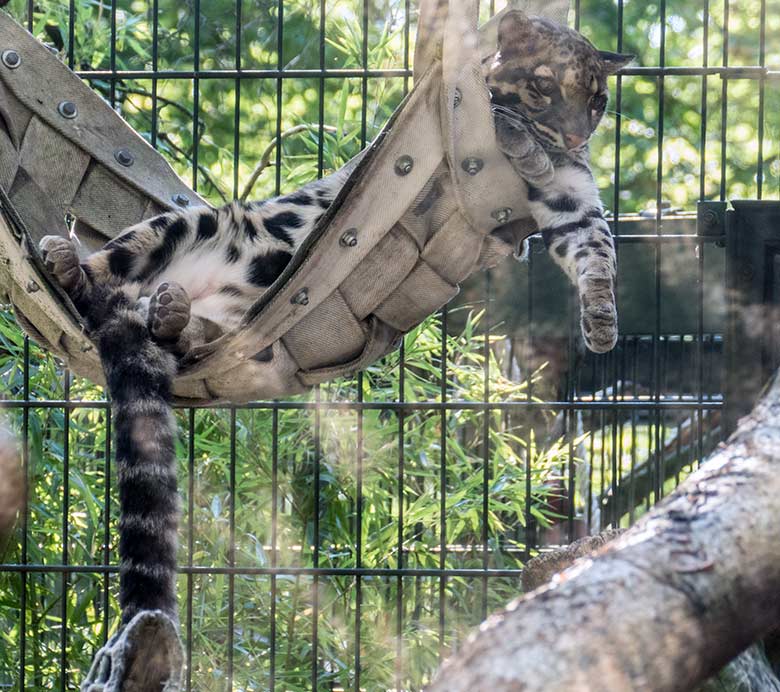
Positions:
{"x": 516, "y": 33}
{"x": 612, "y": 62}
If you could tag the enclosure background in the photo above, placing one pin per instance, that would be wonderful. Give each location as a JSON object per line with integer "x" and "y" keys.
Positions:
{"x": 349, "y": 539}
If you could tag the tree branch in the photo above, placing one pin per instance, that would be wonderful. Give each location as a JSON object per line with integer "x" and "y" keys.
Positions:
{"x": 201, "y": 126}
{"x": 265, "y": 159}
{"x": 664, "y": 606}
{"x": 203, "y": 170}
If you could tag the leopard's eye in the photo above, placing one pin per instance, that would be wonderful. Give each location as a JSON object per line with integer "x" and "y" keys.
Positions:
{"x": 599, "y": 102}
{"x": 545, "y": 85}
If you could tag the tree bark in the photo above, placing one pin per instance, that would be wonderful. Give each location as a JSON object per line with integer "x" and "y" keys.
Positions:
{"x": 751, "y": 671}
{"x": 662, "y": 607}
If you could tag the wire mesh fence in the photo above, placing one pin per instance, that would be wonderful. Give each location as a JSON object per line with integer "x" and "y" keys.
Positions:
{"x": 349, "y": 539}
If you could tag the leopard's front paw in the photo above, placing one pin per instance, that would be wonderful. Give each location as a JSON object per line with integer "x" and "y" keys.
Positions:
{"x": 169, "y": 311}
{"x": 536, "y": 169}
{"x": 526, "y": 155}
{"x": 598, "y": 313}
{"x": 62, "y": 260}
{"x": 599, "y": 324}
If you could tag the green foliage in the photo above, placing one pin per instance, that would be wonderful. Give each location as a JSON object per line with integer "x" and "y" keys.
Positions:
{"x": 224, "y": 169}
{"x": 313, "y": 446}
{"x": 684, "y": 120}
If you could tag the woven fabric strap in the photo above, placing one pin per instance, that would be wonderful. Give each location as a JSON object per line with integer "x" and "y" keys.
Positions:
{"x": 423, "y": 205}
{"x": 65, "y": 153}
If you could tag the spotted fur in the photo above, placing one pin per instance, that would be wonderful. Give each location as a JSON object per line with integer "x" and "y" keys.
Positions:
{"x": 548, "y": 87}
{"x": 215, "y": 262}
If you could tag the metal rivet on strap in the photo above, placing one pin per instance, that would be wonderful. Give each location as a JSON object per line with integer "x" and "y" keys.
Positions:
{"x": 124, "y": 157}
{"x": 472, "y": 165}
{"x": 67, "y": 109}
{"x": 502, "y": 215}
{"x": 11, "y": 59}
{"x": 404, "y": 165}
{"x": 301, "y": 298}
{"x": 32, "y": 286}
{"x": 181, "y": 199}
{"x": 458, "y": 97}
{"x": 349, "y": 239}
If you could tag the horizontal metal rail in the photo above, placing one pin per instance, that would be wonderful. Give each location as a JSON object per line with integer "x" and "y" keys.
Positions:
{"x": 450, "y": 405}
{"x": 725, "y": 72}
{"x": 277, "y": 571}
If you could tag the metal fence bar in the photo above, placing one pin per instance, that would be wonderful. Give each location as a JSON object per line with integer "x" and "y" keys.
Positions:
{"x": 231, "y": 557}
{"x": 237, "y": 104}
{"x": 486, "y": 354}
{"x": 383, "y": 572}
{"x": 635, "y": 380}
{"x": 400, "y": 479}
{"x": 155, "y": 68}
{"x": 724, "y": 100}
{"x": 107, "y": 523}
{"x": 761, "y": 102}
{"x": 316, "y": 549}
{"x": 700, "y": 247}
{"x": 71, "y": 33}
{"x": 359, "y": 534}
{"x": 658, "y": 441}
{"x": 452, "y": 405}
{"x": 196, "y": 97}
{"x": 407, "y": 45}
{"x": 112, "y": 54}
{"x": 283, "y": 73}
{"x": 530, "y": 536}
{"x": 321, "y": 120}
{"x": 752, "y": 72}
{"x": 188, "y": 622}
{"x": 65, "y": 538}
{"x": 274, "y": 543}
{"x": 25, "y": 518}
{"x": 616, "y": 232}
{"x": 196, "y": 132}
{"x": 443, "y": 479}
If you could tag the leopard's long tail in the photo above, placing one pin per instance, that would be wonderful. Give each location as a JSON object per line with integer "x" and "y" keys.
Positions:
{"x": 139, "y": 374}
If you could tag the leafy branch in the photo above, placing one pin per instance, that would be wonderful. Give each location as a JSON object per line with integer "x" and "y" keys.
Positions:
{"x": 265, "y": 158}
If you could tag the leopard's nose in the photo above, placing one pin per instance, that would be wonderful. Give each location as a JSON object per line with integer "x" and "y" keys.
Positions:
{"x": 574, "y": 141}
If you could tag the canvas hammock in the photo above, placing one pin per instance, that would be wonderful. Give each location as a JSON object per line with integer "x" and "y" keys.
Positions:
{"x": 432, "y": 201}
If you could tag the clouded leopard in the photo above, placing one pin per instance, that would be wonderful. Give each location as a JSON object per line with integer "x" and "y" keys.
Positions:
{"x": 190, "y": 275}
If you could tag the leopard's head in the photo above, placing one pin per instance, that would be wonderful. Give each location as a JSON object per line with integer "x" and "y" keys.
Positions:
{"x": 551, "y": 79}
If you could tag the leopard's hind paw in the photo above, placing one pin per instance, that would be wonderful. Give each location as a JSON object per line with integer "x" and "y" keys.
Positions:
{"x": 62, "y": 260}
{"x": 169, "y": 312}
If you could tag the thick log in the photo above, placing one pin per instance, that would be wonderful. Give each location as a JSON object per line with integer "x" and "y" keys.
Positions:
{"x": 751, "y": 671}
{"x": 665, "y": 605}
